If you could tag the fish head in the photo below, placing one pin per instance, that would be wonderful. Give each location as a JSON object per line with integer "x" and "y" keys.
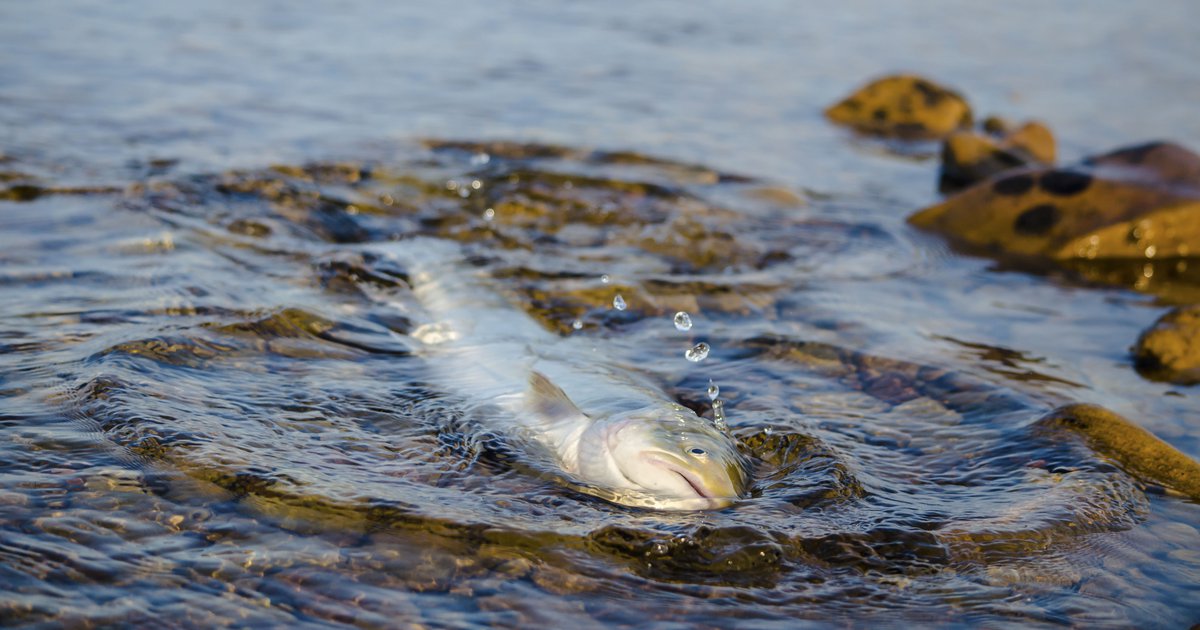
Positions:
{"x": 669, "y": 458}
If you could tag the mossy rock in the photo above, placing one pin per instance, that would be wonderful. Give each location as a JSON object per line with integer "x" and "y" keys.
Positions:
{"x": 1137, "y": 203}
{"x": 1170, "y": 349}
{"x": 903, "y": 106}
{"x": 969, "y": 157}
{"x": 1135, "y": 449}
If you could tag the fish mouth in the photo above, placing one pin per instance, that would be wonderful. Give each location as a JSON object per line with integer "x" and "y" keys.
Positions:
{"x": 697, "y": 488}
{"x": 694, "y": 480}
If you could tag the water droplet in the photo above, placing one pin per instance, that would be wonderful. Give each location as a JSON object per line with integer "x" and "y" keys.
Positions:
{"x": 604, "y": 279}
{"x": 713, "y": 390}
{"x": 719, "y": 416}
{"x": 489, "y": 214}
{"x": 1148, "y": 270}
{"x": 451, "y": 184}
{"x": 1151, "y": 251}
{"x": 683, "y": 321}
{"x": 697, "y": 353}
{"x": 464, "y": 192}
{"x": 577, "y": 325}
{"x": 476, "y": 184}
{"x": 619, "y": 302}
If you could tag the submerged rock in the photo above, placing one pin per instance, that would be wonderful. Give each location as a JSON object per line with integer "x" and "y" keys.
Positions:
{"x": 969, "y": 157}
{"x": 1136, "y": 203}
{"x": 1137, "y": 450}
{"x": 1170, "y": 349}
{"x": 904, "y": 106}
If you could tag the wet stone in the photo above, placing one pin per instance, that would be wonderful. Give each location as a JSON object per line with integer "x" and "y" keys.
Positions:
{"x": 995, "y": 125}
{"x": 327, "y": 172}
{"x": 559, "y": 581}
{"x": 21, "y": 192}
{"x": 1141, "y": 203}
{"x": 1136, "y": 449}
{"x": 1170, "y": 349}
{"x": 502, "y": 149}
{"x": 177, "y": 351}
{"x": 969, "y": 157}
{"x": 903, "y": 106}
{"x": 249, "y": 227}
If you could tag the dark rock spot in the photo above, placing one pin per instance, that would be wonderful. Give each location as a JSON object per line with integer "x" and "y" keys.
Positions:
{"x": 996, "y": 125}
{"x": 1013, "y": 185}
{"x": 1037, "y": 220}
{"x": 880, "y": 114}
{"x": 930, "y": 92}
{"x": 910, "y": 130}
{"x": 1065, "y": 183}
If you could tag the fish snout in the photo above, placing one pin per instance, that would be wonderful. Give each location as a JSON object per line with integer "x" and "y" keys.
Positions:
{"x": 711, "y": 481}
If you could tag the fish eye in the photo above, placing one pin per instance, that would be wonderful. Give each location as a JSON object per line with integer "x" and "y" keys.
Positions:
{"x": 698, "y": 451}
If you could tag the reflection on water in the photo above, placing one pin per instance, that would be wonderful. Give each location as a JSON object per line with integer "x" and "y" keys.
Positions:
{"x": 215, "y": 417}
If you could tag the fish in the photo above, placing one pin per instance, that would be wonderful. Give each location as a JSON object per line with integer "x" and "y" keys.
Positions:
{"x": 611, "y": 431}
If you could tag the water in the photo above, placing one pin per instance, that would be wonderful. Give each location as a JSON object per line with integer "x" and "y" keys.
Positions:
{"x": 683, "y": 321}
{"x": 697, "y": 353}
{"x": 210, "y": 416}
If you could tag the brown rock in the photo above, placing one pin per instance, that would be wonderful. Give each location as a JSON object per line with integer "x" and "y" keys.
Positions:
{"x": 1035, "y": 139}
{"x": 1138, "y": 451}
{"x": 969, "y": 157}
{"x": 904, "y": 106}
{"x": 1170, "y": 349}
{"x": 995, "y": 125}
{"x": 1111, "y": 207}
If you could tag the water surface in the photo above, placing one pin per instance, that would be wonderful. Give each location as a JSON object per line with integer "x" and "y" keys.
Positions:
{"x": 211, "y": 417}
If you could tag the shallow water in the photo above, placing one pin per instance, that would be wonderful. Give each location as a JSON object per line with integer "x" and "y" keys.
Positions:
{"x": 211, "y": 417}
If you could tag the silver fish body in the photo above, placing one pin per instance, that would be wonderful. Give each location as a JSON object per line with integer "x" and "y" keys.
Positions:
{"x": 615, "y": 434}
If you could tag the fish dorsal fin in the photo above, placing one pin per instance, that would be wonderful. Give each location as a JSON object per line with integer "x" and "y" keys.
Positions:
{"x": 549, "y": 401}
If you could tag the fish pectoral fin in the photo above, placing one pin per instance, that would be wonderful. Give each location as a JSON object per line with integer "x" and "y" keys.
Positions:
{"x": 549, "y": 401}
